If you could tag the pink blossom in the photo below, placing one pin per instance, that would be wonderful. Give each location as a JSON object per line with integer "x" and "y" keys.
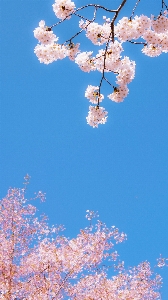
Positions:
{"x": 85, "y": 61}
{"x": 119, "y": 94}
{"x": 44, "y": 34}
{"x": 92, "y": 93}
{"x": 49, "y": 53}
{"x": 152, "y": 50}
{"x": 63, "y": 8}
{"x": 96, "y": 116}
{"x": 38, "y": 263}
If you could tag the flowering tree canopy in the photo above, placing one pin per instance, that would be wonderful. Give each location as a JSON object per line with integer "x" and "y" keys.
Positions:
{"x": 150, "y": 32}
{"x": 38, "y": 262}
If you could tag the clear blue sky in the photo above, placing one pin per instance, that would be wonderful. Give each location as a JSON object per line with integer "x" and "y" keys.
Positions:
{"x": 119, "y": 169}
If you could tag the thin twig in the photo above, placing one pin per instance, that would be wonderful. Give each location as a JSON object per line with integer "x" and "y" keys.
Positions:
{"x": 97, "y": 6}
{"x": 82, "y": 17}
{"x": 70, "y": 40}
{"x": 111, "y": 37}
{"x": 107, "y": 81}
{"x": 80, "y": 8}
{"x": 94, "y": 17}
{"x": 164, "y": 4}
{"x": 137, "y": 43}
{"x": 134, "y": 9}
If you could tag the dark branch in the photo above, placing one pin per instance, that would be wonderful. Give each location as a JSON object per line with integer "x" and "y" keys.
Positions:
{"x": 164, "y": 4}
{"x": 94, "y": 17}
{"x": 111, "y": 37}
{"x": 134, "y": 9}
{"x": 96, "y": 6}
{"x": 137, "y": 43}
{"x": 85, "y": 6}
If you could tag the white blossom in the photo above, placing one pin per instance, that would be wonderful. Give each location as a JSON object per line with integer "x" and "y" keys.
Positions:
{"x": 83, "y": 24}
{"x": 112, "y": 59}
{"x": 92, "y": 93}
{"x": 152, "y": 37}
{"x": 72, "y": 51}
{"x": 160, "y": 24}
{"x": 63, "y": 8}
{"x": 127, "y": 29}
{"x": 164, "y": 41}
{"x": 49, "y": 53}
{"x": 96, "y": 116}
{"x": 85, "y": 61}
{"x": 119, "y": 94}
{"x": 152, "y": 50}
{"x": 126, "y": 71}
{"x": 44, "y": 34}
{"x": 154, "y": 32}
{"x": 98, "y": 34}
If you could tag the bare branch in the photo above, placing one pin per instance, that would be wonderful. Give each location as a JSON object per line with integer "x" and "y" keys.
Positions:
{"x": 164, "y": 4}
{"x": 137, "y": 43}
{"x": 134, "y": 9}
{"x": 94, "y": 17}
{"x": 97, "y": 6}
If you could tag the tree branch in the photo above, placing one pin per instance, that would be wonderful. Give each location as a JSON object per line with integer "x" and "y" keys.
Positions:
{"x": 111, "y": 36}
{"x": 134, "y": 9}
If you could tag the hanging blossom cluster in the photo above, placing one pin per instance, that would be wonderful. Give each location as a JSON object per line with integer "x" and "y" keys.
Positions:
{"x": 48, "y": 51}
{"x": 151, "y": 33}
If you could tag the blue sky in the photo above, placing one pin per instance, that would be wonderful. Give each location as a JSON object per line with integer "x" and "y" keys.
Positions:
{"x": 119, "y": 169}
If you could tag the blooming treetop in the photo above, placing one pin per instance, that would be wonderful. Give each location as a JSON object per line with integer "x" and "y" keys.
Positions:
{"x": 39, "y": 262}
{"x": 150, "y": 32}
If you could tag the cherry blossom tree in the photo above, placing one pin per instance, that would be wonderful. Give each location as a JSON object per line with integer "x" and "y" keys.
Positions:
{"x": 39, "y": 262}
{"x": 149, "y": 32}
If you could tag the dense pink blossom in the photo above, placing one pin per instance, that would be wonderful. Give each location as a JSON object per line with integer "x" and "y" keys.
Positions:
{"x": 127, "y": 29}
{"x": 38, "y": 262}
{"x": 111, "y": 34}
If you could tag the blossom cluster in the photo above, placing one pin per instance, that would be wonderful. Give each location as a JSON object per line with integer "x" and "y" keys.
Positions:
{"x": 127, "y": 29}
{"x": 44, "y": 35}
{"x": 49, "y": 50}
{"x": 43, "y": 264}
{"x": 63, "y": 8}
{"x": 151, "y": 32}
{"x": 139, "y": 281}
{"x": 106, "y": 61}
{"x": 92, "y": 93}
{"x": 96, "y": 116}
{"x": 98, "y": 34}
{"x": 162, "y": 262}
